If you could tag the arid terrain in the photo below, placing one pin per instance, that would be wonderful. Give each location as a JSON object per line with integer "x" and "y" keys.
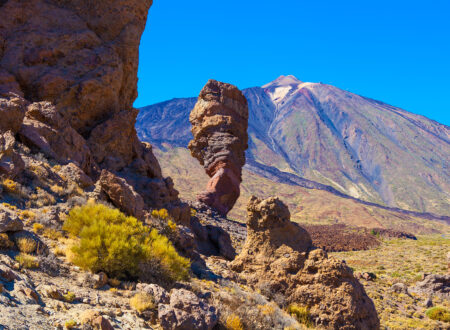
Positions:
{"x": 102, "y": 230}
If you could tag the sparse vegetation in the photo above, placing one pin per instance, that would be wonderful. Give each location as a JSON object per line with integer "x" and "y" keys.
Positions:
{"x": 5, "y": 242}
{"x": 119, "y": 245}
{"x": 439, "y": 314}
{"x": 70, "y": 324}
{"x": 26, "y": 244}
{"x": 27, "y": 261}
{"x": 69, "y": 297}
{"x": 301, "y": 313}
{"x": 142, "y": 301}
{"x": 234, "y": 323}
{"x": 38, "y": 228}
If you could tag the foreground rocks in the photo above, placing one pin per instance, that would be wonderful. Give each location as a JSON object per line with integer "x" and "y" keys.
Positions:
{"x": 219, "y": 125}
{"x": 277, "y": 258}
{"x": 67, "y": 87}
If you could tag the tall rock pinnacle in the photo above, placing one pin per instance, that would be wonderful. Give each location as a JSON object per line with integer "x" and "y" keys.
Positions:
{"x": 219, "y": 125}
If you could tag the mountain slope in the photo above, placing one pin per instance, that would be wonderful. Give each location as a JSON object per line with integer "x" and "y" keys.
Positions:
{"x": 358, "y": 146}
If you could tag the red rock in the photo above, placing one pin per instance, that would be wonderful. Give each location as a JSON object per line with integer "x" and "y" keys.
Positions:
{"x": 219, "y": 125}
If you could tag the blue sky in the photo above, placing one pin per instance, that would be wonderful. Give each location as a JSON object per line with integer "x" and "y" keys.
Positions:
{"x": 397, "y": 52}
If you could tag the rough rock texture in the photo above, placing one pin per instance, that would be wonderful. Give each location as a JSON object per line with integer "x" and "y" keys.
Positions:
{"x": 433, "y": 284}
{"x": 68, "y": 80}
{"x": 9, "y": 222}
{"x": 219, "y": 126}
{"x": 121, "y": 194}
{"x": 277, "y": 258}
{"x": 186, "y": 311}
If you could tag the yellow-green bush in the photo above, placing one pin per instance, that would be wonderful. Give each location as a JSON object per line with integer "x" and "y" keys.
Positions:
{"x": 234, "y": 323}
{"x": 27, "y": 261}
{"x": 142, "y": 301}
{"x": 439, "y": 314}
{"x": 118, "y": 245}
{"x": 301, "y": 313}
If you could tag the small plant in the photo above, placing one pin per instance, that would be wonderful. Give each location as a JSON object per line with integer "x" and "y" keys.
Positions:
{"x": 161, "y": 214}
{"x": 38, "y": 228}
{"x": 57, "y": 189}
{"x": 53, "y": 234}
{"x": 10, "y": 186}
{"x": 110, "y": 241}
{"x": 5, "y": 242}
{"x": 439, "y": 314}
{"x": 27, "y": 261}
{"x": 26, "y": 244}
{"x": 142, "y": 301}
{"x": 27, "y": 215}
{"x": 234, "y": 323}
{"x": 172, "y": 225}
{"x": 301, "y": 313}
{"x": 70, "y": 324}
{"x": 60, "y": 251}
{"x": 193, "y": 212}
{"x": 69, "y": 297}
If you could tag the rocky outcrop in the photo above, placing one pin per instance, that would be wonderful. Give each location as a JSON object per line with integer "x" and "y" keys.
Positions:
{"x": 186, "y": 311}
{"x": 219, "y": 125}
{"x": 68, "y": 80}
{"x": 278, "y": 258}
{"x": 434, "y": 285}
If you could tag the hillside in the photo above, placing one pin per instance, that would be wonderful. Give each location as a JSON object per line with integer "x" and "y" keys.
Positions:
{"x": 351, "y": 144}
{"x": 308, "y": 206}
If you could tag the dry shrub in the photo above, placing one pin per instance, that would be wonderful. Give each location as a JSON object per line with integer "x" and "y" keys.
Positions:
{"x": 110, "y": 241}
{"x": 439, "y": 314}
{"x": 301, "y": 313}
{"x": 5, "y": 242}
{"x": 26, "y": 244}
{"x": 27, "y": 261}
{"x": 142, "y": 301}
{"x": 233, "y": 322}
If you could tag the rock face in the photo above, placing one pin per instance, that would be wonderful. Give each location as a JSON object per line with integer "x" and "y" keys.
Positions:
{"x": 68, "y": 80}
{"x": 219, "y": 126}
{"x": 278, "y": 258}
{"x": 434, "y": 285}
{"x": 186, "y": 311}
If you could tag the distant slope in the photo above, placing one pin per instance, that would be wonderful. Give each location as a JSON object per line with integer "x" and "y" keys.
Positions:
{"x": 309, "y": 206}
{"x": 358, "y": 146}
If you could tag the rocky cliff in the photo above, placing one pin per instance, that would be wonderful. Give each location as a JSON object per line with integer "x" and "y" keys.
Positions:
{"x": 68, "y": 80}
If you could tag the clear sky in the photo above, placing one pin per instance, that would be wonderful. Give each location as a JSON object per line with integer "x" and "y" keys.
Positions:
{"x": 394, "y": 51}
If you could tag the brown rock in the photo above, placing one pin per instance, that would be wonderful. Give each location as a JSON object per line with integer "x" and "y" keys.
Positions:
{"x": 88, "y": 316}
{"x": 101, "y": 323}
{"x": 77, "y": 62}
{"x": 121, "y": 194}
{"x": 219, "y": 125}
{"x": 11, "y": 164}
{"x": 277, "y": 258}
{"x": 9, "y": 222}
{"x": 186, "y": 311}
{"x": 72, "y": 172}
{"x": 45, "y": 130}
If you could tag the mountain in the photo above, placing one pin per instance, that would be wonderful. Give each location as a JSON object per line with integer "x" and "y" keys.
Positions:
{"x": 319, "y": 136}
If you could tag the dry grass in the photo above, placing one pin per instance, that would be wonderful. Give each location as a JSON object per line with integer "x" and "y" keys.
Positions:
{"x": 405, "y": 261}
{"x": 26, "y": 244}
{"x": 27, "y": 261}
{"x": 142, "y": 301}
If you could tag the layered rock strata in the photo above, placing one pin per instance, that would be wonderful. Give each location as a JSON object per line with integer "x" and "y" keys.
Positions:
{"x": 219, "y": 126}
{"x": 68, "y": 80}
{"x": 278, "y": 257}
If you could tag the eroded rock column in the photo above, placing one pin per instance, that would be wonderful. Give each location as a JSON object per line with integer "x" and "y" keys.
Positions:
{"x": 219, "y": 125}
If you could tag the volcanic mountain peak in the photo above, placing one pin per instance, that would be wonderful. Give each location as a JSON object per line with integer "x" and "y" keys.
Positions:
{"x": 283, "y": 81}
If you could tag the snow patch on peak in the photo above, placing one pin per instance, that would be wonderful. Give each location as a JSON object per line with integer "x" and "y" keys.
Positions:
{"x": 283, "y": 81}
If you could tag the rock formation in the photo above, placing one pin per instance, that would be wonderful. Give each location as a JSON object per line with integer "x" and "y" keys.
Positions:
{"x": 278, "y": 258}
{"x": 219, "y": 125}
{"x": 68, "y": 80}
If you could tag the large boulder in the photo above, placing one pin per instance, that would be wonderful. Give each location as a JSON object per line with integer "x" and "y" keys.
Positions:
{"x": 278, "y": 258}
{"x": 9, "y": 222}
{"x": 434, "y": 285}
{"x": 121, "y": 194}
{"x": 186, "y": 311}
{"x": 219, "y": 126}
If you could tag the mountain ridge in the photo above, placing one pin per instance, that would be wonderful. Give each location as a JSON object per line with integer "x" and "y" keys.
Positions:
{"x": 361, "y": 147}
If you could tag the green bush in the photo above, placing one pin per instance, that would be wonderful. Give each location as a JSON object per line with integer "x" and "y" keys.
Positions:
{"x": 110, "y": 241}
{"x": 439, "y": 314}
